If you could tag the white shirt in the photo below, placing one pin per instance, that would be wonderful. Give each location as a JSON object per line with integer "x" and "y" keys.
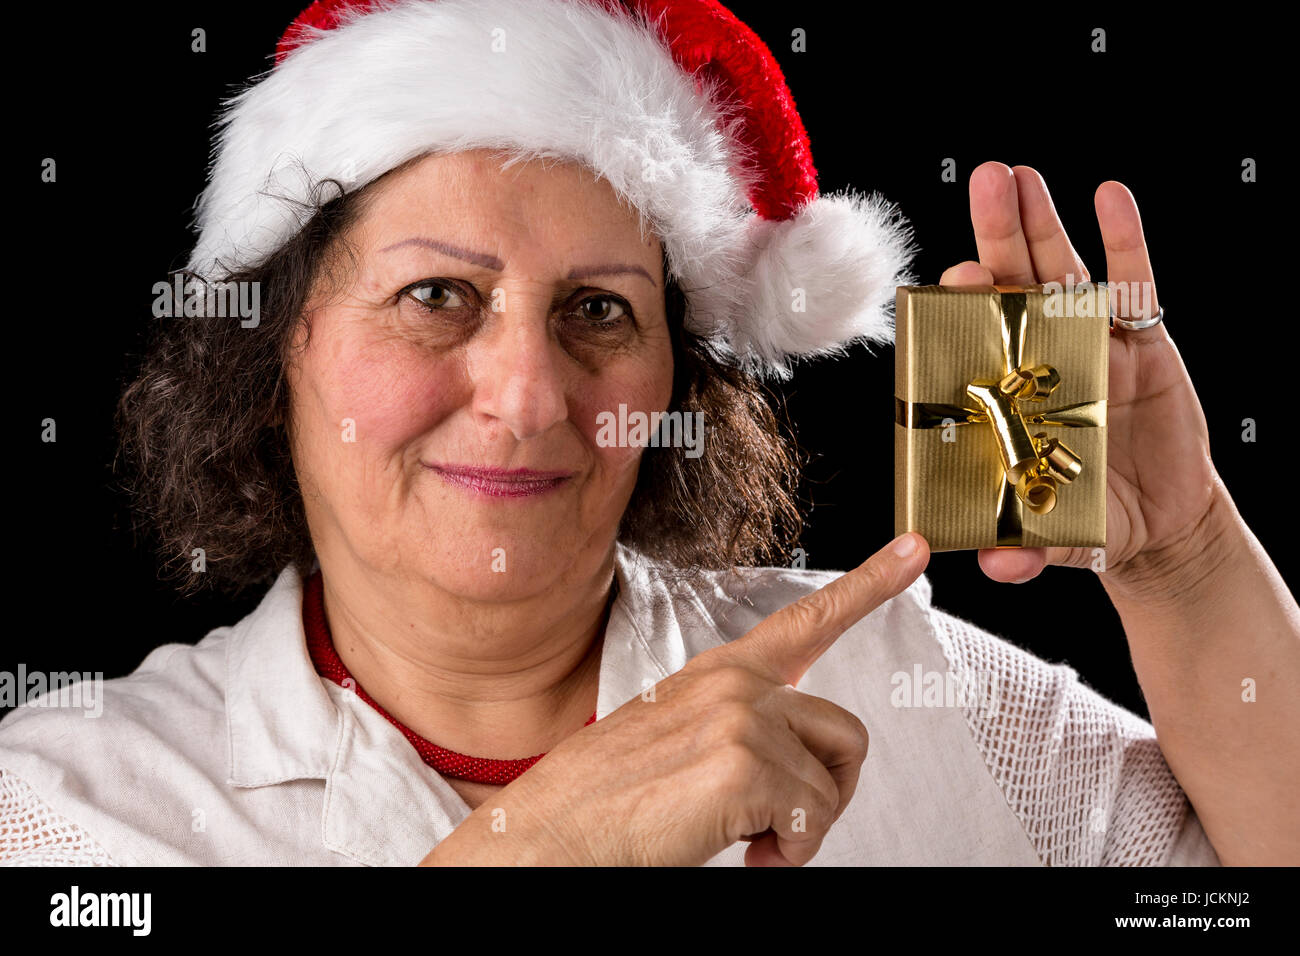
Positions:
{"x": 235, "y": 752}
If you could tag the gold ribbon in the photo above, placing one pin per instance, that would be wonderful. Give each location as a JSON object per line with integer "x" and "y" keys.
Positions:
{"x": 1033, "y": 467}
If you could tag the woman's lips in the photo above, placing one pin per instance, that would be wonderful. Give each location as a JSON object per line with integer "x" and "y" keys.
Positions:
{"x": 501, "y": 482}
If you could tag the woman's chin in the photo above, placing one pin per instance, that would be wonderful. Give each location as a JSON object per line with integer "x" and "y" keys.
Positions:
{"x": 504, "y": 567}
{"x": 507, "y": 581}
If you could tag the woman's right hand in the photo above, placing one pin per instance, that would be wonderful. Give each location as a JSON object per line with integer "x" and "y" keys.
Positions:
{"x": 723, "y": 750}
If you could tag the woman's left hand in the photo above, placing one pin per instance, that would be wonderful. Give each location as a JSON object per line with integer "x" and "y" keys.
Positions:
{"x": 1160, "y": 480}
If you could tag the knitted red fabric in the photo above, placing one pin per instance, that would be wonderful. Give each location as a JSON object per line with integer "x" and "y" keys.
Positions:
{"x": 447, "y": 762}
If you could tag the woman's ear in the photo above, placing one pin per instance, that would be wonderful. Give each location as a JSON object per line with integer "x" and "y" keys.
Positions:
{"x": 297, "y": 342}
{"x": 301, "y": 333}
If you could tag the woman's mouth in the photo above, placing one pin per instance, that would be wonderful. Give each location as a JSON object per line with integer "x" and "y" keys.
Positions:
{"x": 501, "y": 482}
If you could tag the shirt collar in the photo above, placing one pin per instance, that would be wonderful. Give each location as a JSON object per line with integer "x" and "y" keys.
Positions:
{"x": 646, "y": 638}
{"x": 281, "y": 720}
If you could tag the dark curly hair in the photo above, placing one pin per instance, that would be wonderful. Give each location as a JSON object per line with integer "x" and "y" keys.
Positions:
{"x": 204, "y": 457}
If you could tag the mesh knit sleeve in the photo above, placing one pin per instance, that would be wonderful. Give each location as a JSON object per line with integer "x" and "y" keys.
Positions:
{"x": 32, "y": 834}
{"x": 1085, "y": 777}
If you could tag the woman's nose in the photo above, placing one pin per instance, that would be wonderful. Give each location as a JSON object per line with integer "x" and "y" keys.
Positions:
{"x": 516, "y": 369}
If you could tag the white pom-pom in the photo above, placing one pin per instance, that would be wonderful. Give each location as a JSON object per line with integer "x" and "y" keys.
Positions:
{"x": 817, "y": 282}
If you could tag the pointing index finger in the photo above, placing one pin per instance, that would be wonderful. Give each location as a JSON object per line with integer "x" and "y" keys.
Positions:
{"x": 788, "y": 642}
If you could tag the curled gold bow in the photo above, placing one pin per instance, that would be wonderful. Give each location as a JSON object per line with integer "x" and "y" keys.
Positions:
{"x": 1034, "y": 465}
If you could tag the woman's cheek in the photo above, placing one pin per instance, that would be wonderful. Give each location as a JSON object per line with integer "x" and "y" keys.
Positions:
{"x": 384, "y": 399}
{"x": 620, "y": 463}
{"x": 617, "y": 420}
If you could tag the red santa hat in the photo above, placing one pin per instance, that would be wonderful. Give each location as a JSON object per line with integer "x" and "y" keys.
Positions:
{"x": 676, "y": 103}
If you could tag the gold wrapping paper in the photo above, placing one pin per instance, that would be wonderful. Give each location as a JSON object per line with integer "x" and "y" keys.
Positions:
{"x": 1000, "y": 415}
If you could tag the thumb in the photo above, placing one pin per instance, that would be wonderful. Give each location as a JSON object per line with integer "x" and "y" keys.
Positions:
{"x": 788, "y": 642}
{"x": 765, "y": 850}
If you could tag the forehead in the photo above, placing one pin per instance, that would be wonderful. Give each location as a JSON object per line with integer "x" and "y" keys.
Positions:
{"x": 468, "y": 195}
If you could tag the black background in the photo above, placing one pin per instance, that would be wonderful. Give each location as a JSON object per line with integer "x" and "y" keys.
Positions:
{"x": 1171, "y": 110}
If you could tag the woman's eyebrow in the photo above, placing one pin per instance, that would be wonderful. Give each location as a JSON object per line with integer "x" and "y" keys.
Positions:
{"x": 486, "y": 261}
{"x": 613, "y": 268}
{"x": 447, "y": 249}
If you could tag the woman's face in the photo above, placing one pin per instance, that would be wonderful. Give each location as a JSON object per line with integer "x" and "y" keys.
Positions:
{"x": 444, "y": 406}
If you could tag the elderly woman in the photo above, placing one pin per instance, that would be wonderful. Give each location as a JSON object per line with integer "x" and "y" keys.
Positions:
{"x": 490, "y": 240}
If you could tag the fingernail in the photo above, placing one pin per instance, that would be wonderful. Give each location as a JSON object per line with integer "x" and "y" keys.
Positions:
{"x": 905, "y": 545}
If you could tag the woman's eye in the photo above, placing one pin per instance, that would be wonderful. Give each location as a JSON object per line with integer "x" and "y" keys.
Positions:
{"x": 434, "y": 296}
{"x": 601, "y": 309}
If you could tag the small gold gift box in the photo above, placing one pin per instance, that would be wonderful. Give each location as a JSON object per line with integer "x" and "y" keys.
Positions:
{"x": 1000, "y": 415}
